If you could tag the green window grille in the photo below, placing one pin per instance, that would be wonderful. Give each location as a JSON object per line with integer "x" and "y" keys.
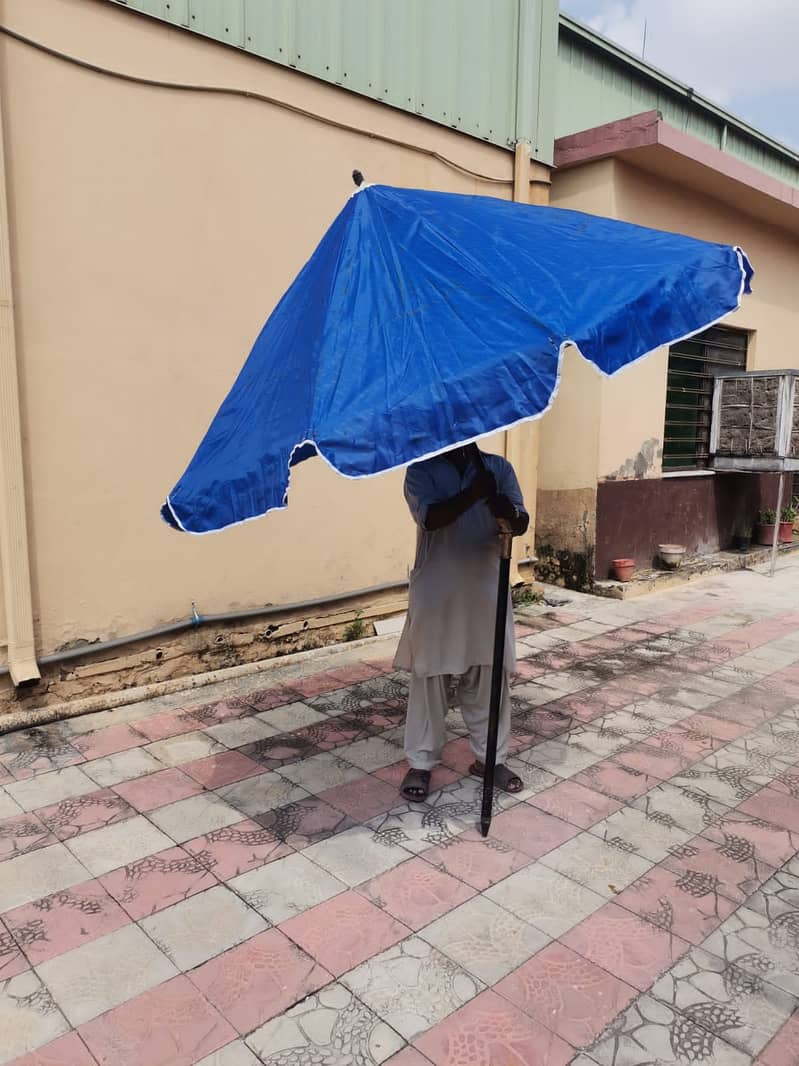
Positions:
{"x": 693, "y": 364}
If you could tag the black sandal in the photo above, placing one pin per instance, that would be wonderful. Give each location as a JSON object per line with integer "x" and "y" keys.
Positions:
{"x": 416, "y": 785}
{"x": 504, "y": 779}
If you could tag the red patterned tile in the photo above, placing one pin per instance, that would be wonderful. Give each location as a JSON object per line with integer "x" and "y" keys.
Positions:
{"x": 489, "y": 1031}
{"x": 172, "y": 1025}
{"x": 771, "y": 843}
{"x": 625, "y": 945}
{"x": 458, "y": 755}
{"x": 362, "y": 799}
{"x": 64, "y": 920}
{"x": 573, "y": 802}
{"x": 648, "y": 759}
{"x": 527, "y": 669}
{"x": 617, "y": 780}
{"x": 12, "y": 961}
{"x": 344, "y": 931}
{"x": 217, "y": 770}
{"x": 68, "y": 1050}
{"x": 416, "y": 893}
{"x": 228, "y": 710}
{"x": 776, "y": 804}
{"x": 109, "y": 741}
{"x": 719, "y": 728}
{"x": 150, "y": 884}
{"x": 259, "y": 979}
{"x": 81, "y": 814}
{"x": 158, "y": 789}
{"x": 305, "y": 822}
{"x": 355, "y": 672}
{"x": 22, "y": 833}
{"x": 733, "y": 864}
{"x": 567, "y": 993}
{"x": 234, "y": 849}
{"x": 688, "y": 744}
{"x": 783, "y": 1050}
{"x": 164, "y": 726}
{"x": 530, "y": 830}
{"x": 317, "y": 684}
{"x": 24, "y": 764}
{"x": 478, "y": 861}
{"x": 267, "y": 699}
{"x": 688, "y": 904}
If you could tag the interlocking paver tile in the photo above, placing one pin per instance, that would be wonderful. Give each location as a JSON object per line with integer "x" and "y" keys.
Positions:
{"x": 286, "y": 887}
{"x": 29, "y": 1016}
{"x": 688, "y": 904}
{"x": 93, "y": 978}
{"x": 208, "y": 923}
{"x": 234, "y": 849}
{"x": 343, "y": 931}
{"x": 103, "y": 850}
{"x": 484, "y": 938}
{"x": 331, "y": 1026}
{"x": 157, "y": 881}
{"x": 567, "y": 993}
{"x": 63, "y": 921}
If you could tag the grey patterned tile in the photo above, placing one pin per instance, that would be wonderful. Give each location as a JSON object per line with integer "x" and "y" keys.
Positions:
{"x": 256, "y": 795}
{"x": 765, "y": 947}
{"x": 286, "y": 887}
{"x": 484, "y": 939}
{"x": 545, "y": 898}
{"x": 604, "y": 867}
{"x": 735, "y": 1005}
{"x": 411, "y": 986}
{"x": 651, "y": 836}
{"x": 357, "y": 854}
{"x": 692, "y": 810}
{"x": 331, "y": 1027}
{"x": 649, "y": 1033}
{"x": 29, "y": 1016}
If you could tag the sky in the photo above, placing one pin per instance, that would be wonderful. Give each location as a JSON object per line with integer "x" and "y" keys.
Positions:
{"x": 741, "y": 54}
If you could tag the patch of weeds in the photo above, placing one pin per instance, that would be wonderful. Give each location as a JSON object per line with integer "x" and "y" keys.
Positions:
{"x": 356, "y": 629}
{"x": 525, "y": 596}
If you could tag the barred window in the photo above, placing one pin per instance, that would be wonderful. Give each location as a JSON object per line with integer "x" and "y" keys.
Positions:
{"x": 693, "y": 364}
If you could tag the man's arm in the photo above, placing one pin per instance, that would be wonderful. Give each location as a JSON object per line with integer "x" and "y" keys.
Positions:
{"x": 445, "y": 512}
{"x": 508, "y": 503}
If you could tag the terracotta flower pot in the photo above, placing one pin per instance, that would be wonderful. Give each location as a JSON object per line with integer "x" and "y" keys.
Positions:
{"x": 786, "y": 532}
{"x": 624, "y": 568}
{"x": 765, "y": 535}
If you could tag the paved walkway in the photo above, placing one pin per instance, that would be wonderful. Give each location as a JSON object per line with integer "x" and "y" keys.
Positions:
{"x": 239, "y": 882}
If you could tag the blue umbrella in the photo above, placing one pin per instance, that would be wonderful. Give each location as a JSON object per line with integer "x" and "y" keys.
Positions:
{"x": 424, "y": 320}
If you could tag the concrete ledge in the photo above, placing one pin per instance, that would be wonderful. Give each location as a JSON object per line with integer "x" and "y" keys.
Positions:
{"x": 693, "y": 569}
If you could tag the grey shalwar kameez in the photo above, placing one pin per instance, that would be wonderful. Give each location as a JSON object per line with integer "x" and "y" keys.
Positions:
{"x": 452, "y": 603}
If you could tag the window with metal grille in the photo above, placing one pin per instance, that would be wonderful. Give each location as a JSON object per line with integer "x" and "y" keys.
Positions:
{"x": 693, "y": 364}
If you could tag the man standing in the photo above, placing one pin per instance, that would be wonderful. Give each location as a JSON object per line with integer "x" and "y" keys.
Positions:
{"x": 455, "y": 500}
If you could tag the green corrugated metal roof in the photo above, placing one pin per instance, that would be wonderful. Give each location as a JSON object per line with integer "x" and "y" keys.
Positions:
{"x": 599, "y": 82}
{"x": 453, "y": 61}
{"x": 495, "y": 70}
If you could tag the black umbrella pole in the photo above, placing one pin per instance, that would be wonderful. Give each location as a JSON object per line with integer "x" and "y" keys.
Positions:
{"x": 497, "y": 680}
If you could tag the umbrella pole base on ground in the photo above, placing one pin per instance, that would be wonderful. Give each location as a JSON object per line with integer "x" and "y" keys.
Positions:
{"x": 497, "y": 680}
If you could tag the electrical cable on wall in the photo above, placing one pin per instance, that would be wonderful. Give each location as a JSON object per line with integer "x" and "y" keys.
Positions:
{"x": 248, "y": 94}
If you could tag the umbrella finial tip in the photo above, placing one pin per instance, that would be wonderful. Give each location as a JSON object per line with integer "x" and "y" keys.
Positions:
{"x": 357, "y": 177}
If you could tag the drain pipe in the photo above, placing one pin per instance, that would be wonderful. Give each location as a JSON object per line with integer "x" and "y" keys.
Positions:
{"x": 197, "y": 620}
{"x": 13, "y": 525}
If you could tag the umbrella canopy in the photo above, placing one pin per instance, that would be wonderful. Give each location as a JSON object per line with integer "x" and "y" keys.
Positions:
{"x": 424, "y": 320}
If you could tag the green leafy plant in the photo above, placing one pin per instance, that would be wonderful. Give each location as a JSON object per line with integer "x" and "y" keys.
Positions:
{"x": 526, "y": 596}
{"x": 789, "y": 513}
{"x": 356, "y": 629}
{"x": 767, "y": 517}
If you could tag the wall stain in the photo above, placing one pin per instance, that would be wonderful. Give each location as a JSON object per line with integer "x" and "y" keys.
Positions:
{"x": 640, "y": 465}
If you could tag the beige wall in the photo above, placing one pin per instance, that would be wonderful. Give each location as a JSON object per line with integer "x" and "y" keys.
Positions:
{"x": 152, "y": 233}
{"x": 631, "y": 405}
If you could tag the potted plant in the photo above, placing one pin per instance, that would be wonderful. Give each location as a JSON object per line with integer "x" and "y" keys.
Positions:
{"x": 624, "y": 568}
{"x": 743, "y": 539}
{"x": 787, "y": 519}
{"x": 766, "y": 526}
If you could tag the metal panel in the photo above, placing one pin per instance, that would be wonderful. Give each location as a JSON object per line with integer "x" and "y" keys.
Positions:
{"x": 597, "y": 82}
{"x": 452, "y": 61}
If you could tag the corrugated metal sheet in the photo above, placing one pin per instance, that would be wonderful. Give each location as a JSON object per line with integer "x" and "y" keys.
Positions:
{"x": 453, "y": 61}
{"x": 598, "y": 83}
